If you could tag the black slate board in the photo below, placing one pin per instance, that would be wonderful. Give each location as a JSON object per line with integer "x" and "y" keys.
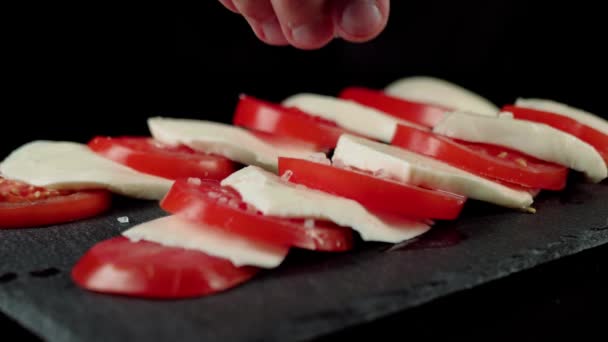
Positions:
{"x": 310, "y": 294}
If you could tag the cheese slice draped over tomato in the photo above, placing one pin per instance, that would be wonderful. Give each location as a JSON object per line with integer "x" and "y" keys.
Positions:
{"x": 73, "y": 166}
{"x": 412, "y": 168}
{"x": 274, "y": 196}
{"x": 562, "y": 109}
{"x": 349, "y": 114}
{"x": 534, "y": 139}
{"x": 232, "y": 142}
{"x": 440, "y": 92}
{"x": 175, "y": 231}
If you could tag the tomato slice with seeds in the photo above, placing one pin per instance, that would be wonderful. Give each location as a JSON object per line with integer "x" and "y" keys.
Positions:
{"x": 259, "y": 115}
{"x": 150, "y": 270}
{"x": 381, "y": 195}
{"x": 26, "y": 206}
{"x": 586, "y": 133}
{"x": 421, "y": 113}
{"x": 485, "y": 160}
{"x": 208, "y": 202}
{"x": 146, "y": 155}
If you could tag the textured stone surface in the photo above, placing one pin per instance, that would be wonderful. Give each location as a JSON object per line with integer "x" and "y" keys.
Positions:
{"x": 310, "y": 294}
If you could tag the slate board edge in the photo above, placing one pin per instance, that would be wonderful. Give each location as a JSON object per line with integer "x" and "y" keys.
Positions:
{"x": 53, "y": 330}
{"x": 395, "y": 308}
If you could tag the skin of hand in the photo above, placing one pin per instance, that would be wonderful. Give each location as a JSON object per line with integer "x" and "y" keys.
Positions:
{"x": 312, "y": 24}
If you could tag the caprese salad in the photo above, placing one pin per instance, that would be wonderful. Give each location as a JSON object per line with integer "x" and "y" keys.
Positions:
{"x": 314, "y": 172}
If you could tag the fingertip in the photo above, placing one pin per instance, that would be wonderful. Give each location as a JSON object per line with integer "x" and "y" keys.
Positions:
{"x": 268, "y": 31}
{"x": 271, "y": 33}
{"x": 262, "y": 19}
{"x": 361, "y": 20}
{"x": 229, "y": 5}
{"x": 307, "y": 24}
{"x": 311, "y": 35}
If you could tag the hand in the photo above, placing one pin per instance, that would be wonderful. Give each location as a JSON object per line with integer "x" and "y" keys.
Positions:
{"x": 311, "y": 24}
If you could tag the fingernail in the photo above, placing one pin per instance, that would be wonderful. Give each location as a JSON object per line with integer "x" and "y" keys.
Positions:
{"x": 273, "y": 33}
{"x": 361, "y": 17}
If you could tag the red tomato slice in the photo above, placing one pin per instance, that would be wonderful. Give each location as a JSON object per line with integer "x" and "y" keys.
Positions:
{"x": 209, "y": 202}
{"x": 172, "y": 162}
{"x": 23, "y": 205}
{"x": 421, "y": 113}
{"x": 272, "y": 118}
{"x": 381, "y": 195}
{"x": 150, "y": 270}
{"x": 586, "y": 133}
{"x": 484, "y": 160}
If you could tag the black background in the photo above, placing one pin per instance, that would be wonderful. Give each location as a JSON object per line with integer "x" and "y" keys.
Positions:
{"x": 75, "y": 72}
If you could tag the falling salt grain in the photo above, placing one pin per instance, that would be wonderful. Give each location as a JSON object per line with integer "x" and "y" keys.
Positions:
{"x": 309, "y": 223}
{"x": 287, "y": 175}
{"x": 222, "y": 200}
{"x": 123, "y": 219}
{"x": 194, "y": 181}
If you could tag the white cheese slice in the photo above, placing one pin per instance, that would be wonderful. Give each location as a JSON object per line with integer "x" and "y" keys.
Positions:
{"x": 555, "y": 107}
{"x": 175, "y": 231}
{"x": 440, "y": 92}
{"x": 412, "y": 168}
{"x": 232, "y": 142}
{"x": 73, "y": 166}
{"x": 273, "y": 196}
{"x": 534, "y": 139}
{"x": 350, "y": 115}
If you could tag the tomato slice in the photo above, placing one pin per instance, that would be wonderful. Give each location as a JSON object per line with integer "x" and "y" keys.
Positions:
{"x": 586, "y": 133}
{"x": 209, "y": 202}
{"x": 149, "y": 156}
{"x": 150, "y": 270}
{"x": 485, "y": 160}
{"x": 272, "y": 118}
{"x": 24, "y": 206}
{"x": 421, "y": 113}
{"x": 380, "y": 195}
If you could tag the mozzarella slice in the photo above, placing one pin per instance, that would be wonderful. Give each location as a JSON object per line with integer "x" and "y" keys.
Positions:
{"x": 412, "y": 168}
{"x": 349, "y": 114}
{"x": 232, "y": 142}
{"x": 440, "y": 92}
{"x": 73, "y": 166}
{"x": 555, "y": 107}
{"x": 534, "y": 139}
{"x": 175, "y": 231}
{"x": 273, "y": 196}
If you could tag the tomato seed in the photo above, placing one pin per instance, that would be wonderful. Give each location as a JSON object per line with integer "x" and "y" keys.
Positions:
{"x": 521, "y": 162}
